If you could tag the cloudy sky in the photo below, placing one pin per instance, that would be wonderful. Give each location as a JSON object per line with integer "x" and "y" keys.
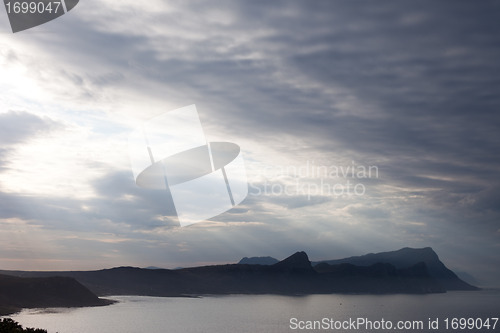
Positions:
{"x": 308, "y": 90}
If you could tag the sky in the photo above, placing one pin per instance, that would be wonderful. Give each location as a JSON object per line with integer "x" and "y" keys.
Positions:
{"x": 404, "y": 93}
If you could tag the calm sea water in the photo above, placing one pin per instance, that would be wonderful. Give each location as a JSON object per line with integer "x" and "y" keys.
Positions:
{"x": 267, "y": 313}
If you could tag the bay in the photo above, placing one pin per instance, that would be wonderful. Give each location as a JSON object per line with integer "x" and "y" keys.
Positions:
{"x": 269, "y": 313}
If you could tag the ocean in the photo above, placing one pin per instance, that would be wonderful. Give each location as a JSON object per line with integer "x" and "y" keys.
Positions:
{"x": 473, "y": 311}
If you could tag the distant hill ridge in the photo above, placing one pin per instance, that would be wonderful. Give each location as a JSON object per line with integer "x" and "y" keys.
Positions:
{"x": 291, "y": 276}
{"x": 258, "y": 261}
{"x": 407, "y": 257}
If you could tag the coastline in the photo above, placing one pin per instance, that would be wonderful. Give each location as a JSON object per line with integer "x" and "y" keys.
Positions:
{"x": 8, "y": 310}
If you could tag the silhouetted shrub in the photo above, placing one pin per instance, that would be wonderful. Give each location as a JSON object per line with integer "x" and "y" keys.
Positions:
{"x": 8, "y": 325}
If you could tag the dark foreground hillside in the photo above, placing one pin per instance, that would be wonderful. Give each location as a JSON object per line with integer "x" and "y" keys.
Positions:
{"x": 17, "y": 293}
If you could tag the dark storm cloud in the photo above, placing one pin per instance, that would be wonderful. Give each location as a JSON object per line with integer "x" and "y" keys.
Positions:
{"x": 411, "y": 86}
{"x": 418, "y": 70}
{"x": 430, "y": 86}
{"x": 426, "y": 74}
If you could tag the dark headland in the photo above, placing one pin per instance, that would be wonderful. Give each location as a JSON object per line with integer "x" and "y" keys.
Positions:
{"x": 409, "y": 271}
{"x": 35, "y": 292}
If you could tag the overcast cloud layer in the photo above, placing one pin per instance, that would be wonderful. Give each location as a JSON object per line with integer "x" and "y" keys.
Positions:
{"x": 410, "y": 88}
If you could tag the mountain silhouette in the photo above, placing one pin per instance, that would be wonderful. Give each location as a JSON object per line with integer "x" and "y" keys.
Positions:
{"x": 258, "y": 261}
{"x": 411, "y": 271}
{"x": 298, "y": 262}
{"x": 407, "y": 257}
